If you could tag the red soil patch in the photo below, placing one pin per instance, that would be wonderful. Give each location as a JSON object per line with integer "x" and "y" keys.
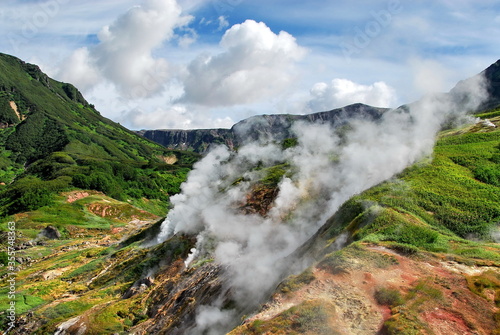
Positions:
{"x": 443, "y": 322}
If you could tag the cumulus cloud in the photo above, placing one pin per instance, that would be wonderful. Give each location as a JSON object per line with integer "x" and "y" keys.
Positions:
{"x": 124, "y": 54}
{"x": 256, "y": 63}
{"x": 77, "y": 69}
{"x": 342, "y": 92}
{"x": 174, "y": 117}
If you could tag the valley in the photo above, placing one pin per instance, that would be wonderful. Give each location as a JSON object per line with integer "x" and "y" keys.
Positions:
{"x": 379, "y": 222}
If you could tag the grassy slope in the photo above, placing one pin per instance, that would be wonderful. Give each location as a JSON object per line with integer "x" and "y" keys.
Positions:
{"x": 426, "y": 213}
{"x": 402, "y": 215}
{"x": 61, "y": 147}
{"x": 61, "y": 142}
{"x": 447, "y": 209}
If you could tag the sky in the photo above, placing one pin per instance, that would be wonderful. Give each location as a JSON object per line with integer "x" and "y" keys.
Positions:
{"x": 184, "y": 64}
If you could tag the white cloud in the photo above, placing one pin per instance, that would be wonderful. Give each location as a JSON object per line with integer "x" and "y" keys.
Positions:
{"x": 222, "y": 22}
{"x": 174, "y": 117}
{"x": 77, "y": 69}
{"x": 189, "y": 37}
{"x": 255, "y": 64}
{"x": 138, "y": 59}
{"x": 124, "y": 54}
{"x": 342, "y": 92}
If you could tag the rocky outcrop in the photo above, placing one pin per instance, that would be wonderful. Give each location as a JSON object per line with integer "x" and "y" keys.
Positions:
{"x": 491, "y": 77}
{"x": 198, "y": 140}
{"x": 51, "y": 233}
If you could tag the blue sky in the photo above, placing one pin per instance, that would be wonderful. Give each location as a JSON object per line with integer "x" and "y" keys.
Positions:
{"x": 198, "y": 64}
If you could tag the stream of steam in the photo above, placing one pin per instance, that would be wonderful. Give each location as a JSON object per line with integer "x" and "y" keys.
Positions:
{"x": 326, "y": 169}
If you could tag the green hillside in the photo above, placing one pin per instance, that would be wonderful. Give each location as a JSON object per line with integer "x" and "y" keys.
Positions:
{"x": 53, "y": 140}
{"x": 70, "y": 180}
{"x": 443, "y": 211}
{"x": 422, "y": 252}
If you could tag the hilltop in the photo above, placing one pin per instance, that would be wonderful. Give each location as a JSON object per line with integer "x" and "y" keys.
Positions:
{"x": 53, "y": 140}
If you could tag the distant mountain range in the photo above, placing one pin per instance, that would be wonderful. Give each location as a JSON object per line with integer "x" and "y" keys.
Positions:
{"x": 277, "y": 127}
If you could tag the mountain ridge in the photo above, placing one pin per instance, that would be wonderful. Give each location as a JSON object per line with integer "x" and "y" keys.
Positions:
{"x": 266, "y": 127}
{"x": 277, "y": 126}
{"x": 52, "y": 137}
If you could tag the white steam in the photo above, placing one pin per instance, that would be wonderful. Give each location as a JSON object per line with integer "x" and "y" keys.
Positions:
{"x": 324, "y": 170}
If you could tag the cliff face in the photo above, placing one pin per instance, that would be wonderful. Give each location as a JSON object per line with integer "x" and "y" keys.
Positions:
{"x": 276, "y": 127}
{"x": 198, "y": 140}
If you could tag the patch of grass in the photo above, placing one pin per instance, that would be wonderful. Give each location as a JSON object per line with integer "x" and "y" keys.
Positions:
{"x": 488, "y": 280}
{"x": 439, "y": 206}
{"x": 355, "y": 257}
{"x": 388, "y": 296}
{"x": 424, "y": 290}
{"x": 310, "y": 317}
{"x": 274, "y": 174}
{"x": 66, "y": 310}
{"x": 294, "y": 283}
{"x": 47, "y": 289}
{"x": 406, "y": 309}
{"x": 489, "y": 114}
{"x": 88, "y": 270}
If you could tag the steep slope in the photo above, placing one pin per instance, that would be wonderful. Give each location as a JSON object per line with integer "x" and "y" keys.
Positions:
{"x": 408, "y": 267}
{"x": 72, "y": 184}
{"x": 275, "y": 127}
{"x": 198, "y": 140}
{"x": 405, "y": 268}
{"x": 53, "y": 138}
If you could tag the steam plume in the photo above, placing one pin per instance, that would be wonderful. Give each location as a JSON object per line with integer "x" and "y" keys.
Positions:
{"x": 324, "y": 170}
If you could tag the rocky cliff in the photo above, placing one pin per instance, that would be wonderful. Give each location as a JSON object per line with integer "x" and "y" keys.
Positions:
{"x": 275, "y": 127}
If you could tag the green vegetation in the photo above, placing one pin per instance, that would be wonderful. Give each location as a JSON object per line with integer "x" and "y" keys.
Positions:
{"x": 388, "y": 296}
{"x": 62, "y": 143}
{"x": 62, "y": 164}
{"x": 489, "y": 114}
{"x": 310, "y": 317}
{"x": 289, "y": 143}
{"x": 443, "y": 206}
{"x": 355, "y": 257}
{"x": 274, "y": 174}
{"x": 60, "y": 147}
{"x": 294, "y": 283}
{"x": 487, "y": 281}
{"x": 425, "y": 295}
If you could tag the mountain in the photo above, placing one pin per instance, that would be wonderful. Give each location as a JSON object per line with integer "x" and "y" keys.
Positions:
{"x": 276, "y": 127}
{"x": 50, "y": 136}
{"x": 366, "y": 228}
{"x": 198, "y": 140}
{"x": 492, "y": 83}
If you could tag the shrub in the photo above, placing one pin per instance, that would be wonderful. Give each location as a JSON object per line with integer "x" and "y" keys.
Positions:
{"x": 488, "y": 174}
{"x": 389, "y": 297}
{"x": 31, "y": 200}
